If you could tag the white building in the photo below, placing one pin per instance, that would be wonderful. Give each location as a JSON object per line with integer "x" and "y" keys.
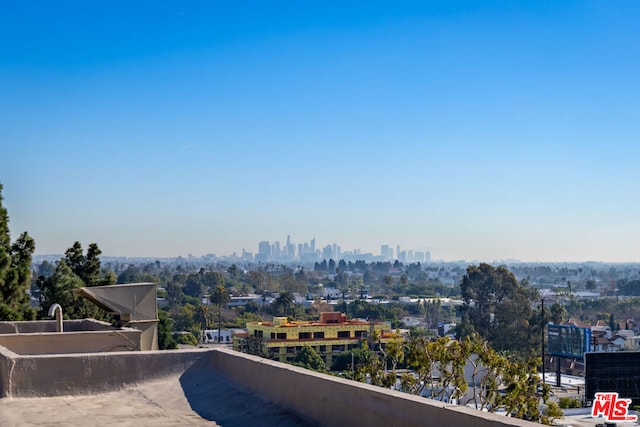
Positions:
{"x": 241, "y": 300}
{"x": 211, "y": 336}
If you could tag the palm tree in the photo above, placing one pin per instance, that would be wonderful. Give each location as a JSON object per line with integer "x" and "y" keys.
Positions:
{"x": 220, "y": 296}
{"x": 284, "y": 301}
{"x": 202, "y": 316}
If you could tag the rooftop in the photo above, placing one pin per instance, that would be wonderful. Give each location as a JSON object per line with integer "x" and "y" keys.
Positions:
{"x": 326, "y": 319}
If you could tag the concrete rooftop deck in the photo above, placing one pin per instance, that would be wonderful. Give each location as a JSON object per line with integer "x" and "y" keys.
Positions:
{"x": 206, "y": 387}
{"x": 198, "y": 397}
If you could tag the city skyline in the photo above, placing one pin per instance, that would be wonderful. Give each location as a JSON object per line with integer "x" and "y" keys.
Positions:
{"x": 475, "y": 130}
{"x": 309, "y": 251}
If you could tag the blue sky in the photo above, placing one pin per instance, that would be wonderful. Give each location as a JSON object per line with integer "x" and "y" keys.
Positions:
{"x": 476, "y": 130}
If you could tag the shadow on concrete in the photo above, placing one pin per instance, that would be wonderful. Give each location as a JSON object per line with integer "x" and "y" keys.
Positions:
{"x": 214, "y": 397}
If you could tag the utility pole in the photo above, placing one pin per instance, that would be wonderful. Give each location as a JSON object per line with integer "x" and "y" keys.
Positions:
{"x": 353, "y": 370}
{"x": 542, "y": 336}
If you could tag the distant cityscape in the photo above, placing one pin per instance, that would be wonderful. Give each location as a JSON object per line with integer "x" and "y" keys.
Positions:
{"x": 286, "y": 253}
{"x": 308, "y": 252}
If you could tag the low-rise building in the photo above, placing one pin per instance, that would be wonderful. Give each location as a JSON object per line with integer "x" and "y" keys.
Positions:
{"x": 329, "y": 336}
{"x": 242, "y": 300}
{"x": 211, "y": 336}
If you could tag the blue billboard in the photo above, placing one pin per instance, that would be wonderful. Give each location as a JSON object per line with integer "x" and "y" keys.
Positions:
{"x": 568, "y": 341}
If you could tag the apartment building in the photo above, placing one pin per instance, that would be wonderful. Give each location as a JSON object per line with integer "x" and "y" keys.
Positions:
{"x": 329, "y": 336}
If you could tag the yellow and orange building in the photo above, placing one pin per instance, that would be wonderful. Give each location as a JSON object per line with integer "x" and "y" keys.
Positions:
{"x": 329, "y": 336}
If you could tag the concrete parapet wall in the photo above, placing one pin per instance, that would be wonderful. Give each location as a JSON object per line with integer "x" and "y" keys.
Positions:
{"x": 322, "y": 399}
{"x": 72, "y": 342}
{"x": 330, "y": 401}
{"x": 26, "y": 327}
{"x": 79, "y": 336}
{"x": 73, "y": 374}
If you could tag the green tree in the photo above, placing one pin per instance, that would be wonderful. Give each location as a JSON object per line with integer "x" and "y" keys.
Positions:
{"x": 109, "y": 278}
{"x": 258, "y": 280}
{"x": 202, "y": 317}
{"x": 301, "y": 276}
{"x": 395, "y": 349}
{"x": 87, "y": 268}
{"x": 521, "y": 398}
{"x": 499, "y": 308}
{"x": 183, "y": 318}
{"x": 241, "y": 321}
{"x": 283, "y": 302}
{"x": 569, "y": 403}
{"x": 14, "y": 299}
{"x": 445, "y": 356}
{"x": 46, "y": 269}
{"x": 613, "y": 325}
{"x": 187, "y": 338}
{"x": 290, "y": 283}
{"x": 133, "y": 274}
{"x": 433, "y": 313}
{"x": 388, "y": 282}
{"x": 212, "y": 279}
{"x": 558, "y": 313}
{"x": 308, "y": 358}
{"x": 165, "y": 339}
{"x": 15, "y": 271}
{"x": 59, "y": 289}
{"x": 498, "y": 382}
{"x": 193, "y": 285}
{"x": 355, "y": 359}
{"x": 233, "y": 271}
{"x": 74, "y": 271}
{"x": 174, "y": 292}
{"x": 220, "y": 297}
{"x": 253, "y": 345}
{"x": 628, "y": 287}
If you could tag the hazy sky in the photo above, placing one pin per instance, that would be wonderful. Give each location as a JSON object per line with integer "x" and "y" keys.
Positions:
{"x": 476, "y": 130}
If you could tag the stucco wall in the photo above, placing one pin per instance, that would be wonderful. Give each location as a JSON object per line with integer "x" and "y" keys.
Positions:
{"x": 73, "y": 374}
{"x": 332, "y": 401}
{"x": 72, "y": 342}
{"x": 324, "y": 400}
{"x": 50, "y": 326}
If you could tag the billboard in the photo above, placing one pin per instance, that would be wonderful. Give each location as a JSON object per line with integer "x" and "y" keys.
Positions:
{"x": 615, "y": 371}
{"x": 568, "y": 341}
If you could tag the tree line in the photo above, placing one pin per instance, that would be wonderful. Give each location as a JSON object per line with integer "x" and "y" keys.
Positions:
{"x": 467, "y": 371}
